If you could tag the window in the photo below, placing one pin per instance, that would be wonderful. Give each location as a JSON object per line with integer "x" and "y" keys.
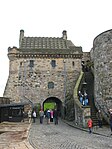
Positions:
{"x": 53, "y": 63}
{"x": 73, "y": 64}
{"x": 50, "y": 85}
{"x": 20, "y": 63}
{"x": 31, "y": 63}
{"x": 19, "y": 77}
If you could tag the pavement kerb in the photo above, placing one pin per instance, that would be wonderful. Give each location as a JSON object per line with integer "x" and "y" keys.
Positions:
{"x": 27, "y": 132}
{"x": 84, "y": 129}
{"x": 26, "y": 141}
{"x": 27, "y": 144}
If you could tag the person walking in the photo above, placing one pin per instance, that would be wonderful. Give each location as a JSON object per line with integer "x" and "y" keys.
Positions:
{"x": 90, "y": 125}
{"x": 29, "y": 116}
{"x": 80, "y": 97}
{"x": 23, "y": 115}
{"x": 55, "y": 117}
{"x": 51, "y": 115}
{"x": 100, "y": 118}
{"x": 41, "y": 114}
{"x": 48, "y": 116}
{"x": 34, "y": 116}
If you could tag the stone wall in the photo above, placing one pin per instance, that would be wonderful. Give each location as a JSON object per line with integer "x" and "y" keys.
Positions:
{"x": 86, "y": 56}
{"x": 102, "y": 53}
{"x": 32, "y": 82}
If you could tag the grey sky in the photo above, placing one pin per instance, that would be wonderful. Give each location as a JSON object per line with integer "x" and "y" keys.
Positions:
{"x": 83, "y": 20}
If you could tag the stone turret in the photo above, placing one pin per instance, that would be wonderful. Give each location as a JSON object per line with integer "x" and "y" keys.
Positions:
{"x": 64, "y": 34}
{"x": 21, "y": 37}
{"x": 102, "y": 53}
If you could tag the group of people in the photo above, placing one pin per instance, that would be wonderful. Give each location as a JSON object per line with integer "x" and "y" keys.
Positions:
{"x": 52, "y": 116}
{"x": 49, "y": 115}
{"x": 83, "y": 98}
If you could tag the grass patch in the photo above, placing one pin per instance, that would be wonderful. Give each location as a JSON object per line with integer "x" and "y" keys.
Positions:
{"x": 49, "y": 105}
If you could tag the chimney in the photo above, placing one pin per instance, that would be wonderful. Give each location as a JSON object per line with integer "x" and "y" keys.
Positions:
{"x": 64, "y": 34}
{"x": 21, "y": 36}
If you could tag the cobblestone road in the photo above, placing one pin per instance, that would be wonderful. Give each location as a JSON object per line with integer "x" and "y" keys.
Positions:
{"x": 62, "y": 136}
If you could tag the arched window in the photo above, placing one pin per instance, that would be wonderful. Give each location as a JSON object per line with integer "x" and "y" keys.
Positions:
{"x": 50, "y": 85}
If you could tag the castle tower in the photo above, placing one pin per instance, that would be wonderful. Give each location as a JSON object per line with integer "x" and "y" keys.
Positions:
{"x": 42, "y": 68}
{"x": 102, "y": 55}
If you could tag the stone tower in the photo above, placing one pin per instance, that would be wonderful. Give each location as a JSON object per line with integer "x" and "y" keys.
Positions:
{"x": 102, "y": 55}
{"x": 42, "y": 68}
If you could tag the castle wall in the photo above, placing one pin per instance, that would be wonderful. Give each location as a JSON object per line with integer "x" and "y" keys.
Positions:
{"x": 86, "y": 56}
{"x": 102, "y": 53}
{"x": 32, "y": 82}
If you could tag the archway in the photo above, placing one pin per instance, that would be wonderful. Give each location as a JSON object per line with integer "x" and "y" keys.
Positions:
{"x": 52, "y": 103}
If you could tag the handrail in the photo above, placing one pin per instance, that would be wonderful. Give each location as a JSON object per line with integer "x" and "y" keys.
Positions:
{"x": 102, "y": 108}
{"x": 75, "y": 95}
{"x": 30, "y": 101}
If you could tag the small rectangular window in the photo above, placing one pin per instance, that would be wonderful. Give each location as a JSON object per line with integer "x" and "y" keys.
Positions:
{"x": 73, "y": 63}
{"x": 53, "y": 63}
{"x": 20, "y": 63}
{"x": 31, "y": 63}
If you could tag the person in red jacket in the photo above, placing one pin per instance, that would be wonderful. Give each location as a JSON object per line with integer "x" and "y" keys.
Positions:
{"x": 90, "y": 125}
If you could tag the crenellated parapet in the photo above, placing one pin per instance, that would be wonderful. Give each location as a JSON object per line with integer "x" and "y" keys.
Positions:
{"x": 12, "y": 53}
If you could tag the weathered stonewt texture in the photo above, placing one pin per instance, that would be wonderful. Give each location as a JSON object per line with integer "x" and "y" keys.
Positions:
{"x": 42, "y": 67}
{"x": 102, "y": 53}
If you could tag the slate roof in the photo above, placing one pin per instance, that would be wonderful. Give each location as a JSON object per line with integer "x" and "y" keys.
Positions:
{"x": 46, "y": 44}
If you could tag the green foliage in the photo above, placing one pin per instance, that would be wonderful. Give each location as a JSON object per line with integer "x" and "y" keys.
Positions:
{"x": 49, "y": 105}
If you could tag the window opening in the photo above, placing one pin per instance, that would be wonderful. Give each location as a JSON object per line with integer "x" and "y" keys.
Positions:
{"x": 50, "y": 85}
{"x": 31, "y": 63}
{"x": 53, "y": 63}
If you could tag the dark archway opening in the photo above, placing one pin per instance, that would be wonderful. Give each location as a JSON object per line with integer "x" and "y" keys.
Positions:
{"x": 53, "y": 102}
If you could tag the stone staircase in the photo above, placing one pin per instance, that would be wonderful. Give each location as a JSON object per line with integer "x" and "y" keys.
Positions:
{"x": 89, "y": 79}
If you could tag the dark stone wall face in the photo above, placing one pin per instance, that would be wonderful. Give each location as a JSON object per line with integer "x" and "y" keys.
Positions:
{"x": 102, "y": 53}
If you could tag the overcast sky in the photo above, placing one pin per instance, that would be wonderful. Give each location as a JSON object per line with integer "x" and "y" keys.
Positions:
{"x": 83, "y": 20}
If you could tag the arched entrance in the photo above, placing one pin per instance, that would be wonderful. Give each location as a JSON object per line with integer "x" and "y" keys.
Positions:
{"x": 52, "y": 103}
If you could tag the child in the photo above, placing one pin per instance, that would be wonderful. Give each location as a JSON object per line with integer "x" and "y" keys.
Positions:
{"x": 90, "y": 125}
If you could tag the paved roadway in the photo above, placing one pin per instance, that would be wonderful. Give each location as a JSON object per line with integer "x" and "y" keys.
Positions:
{"x": 62, "y": 136}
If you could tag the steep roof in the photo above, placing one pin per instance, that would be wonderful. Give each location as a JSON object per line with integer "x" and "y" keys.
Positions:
{"x": 46, "y": 44}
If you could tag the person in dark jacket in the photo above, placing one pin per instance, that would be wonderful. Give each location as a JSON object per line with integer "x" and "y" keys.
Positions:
{"x": 55, "y": 117}
{"x": 100, "y": 118}
{"x": 48, "y": 116}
